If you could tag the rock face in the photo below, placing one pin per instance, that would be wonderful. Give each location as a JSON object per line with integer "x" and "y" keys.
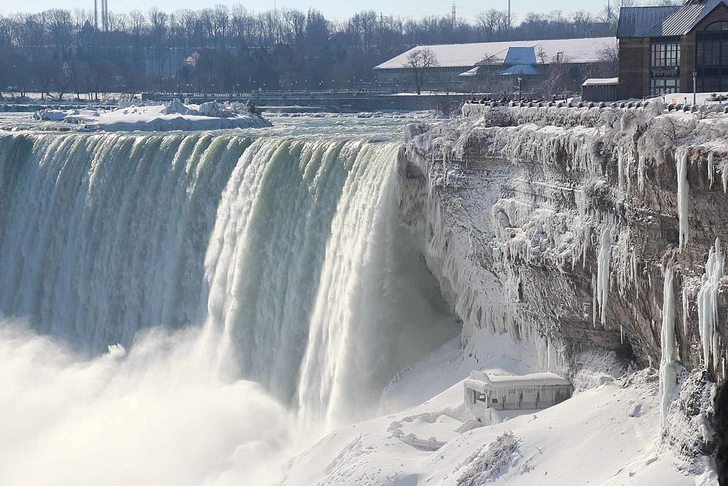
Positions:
{"x": 557, "y": 225}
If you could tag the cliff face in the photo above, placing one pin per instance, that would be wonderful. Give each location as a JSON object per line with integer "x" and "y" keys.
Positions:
{"x": 557, "y": 225}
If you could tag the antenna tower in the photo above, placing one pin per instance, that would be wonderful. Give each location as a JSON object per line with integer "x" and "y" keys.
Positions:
{"x": 104, "y": 15}
{"x": 454, "y": 14}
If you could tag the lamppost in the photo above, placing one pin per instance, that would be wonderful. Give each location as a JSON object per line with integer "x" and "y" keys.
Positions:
{"x": 520, "y": 78}
{"x": 695, "y": 86}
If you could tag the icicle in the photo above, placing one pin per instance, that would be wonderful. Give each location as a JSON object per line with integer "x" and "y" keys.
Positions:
{"x": 708, "y": 302}
{"x": 634, "y": 275}
{"x": 621, "y": 334}
{"x": 669, "y": 350}
{"x": 682, "y": 194}
{"x": 594, "y": 300}
{"x": 711, "y": 168}
{"x": 444, "y": 165}
{"x": 548, "y": 354}
{"x": 587, "y": 237}
{"x": 685, "y": 309}
{"x": 603, "y": 274}
{"x": 668, "y": 368}
{"x": 620, "y": 170}
{"x": 640, "y": 172}
{"x": 724, "y": 175}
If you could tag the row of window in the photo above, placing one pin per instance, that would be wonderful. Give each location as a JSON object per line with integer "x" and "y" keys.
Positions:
{"x": 711, "y": 61}
{"x": 662, "y": 86}
{"x": 665, "y": 54}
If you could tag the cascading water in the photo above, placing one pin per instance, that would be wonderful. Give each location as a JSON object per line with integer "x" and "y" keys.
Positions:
{"x": 103, "y": 235}
{"x": 283, "y": 258}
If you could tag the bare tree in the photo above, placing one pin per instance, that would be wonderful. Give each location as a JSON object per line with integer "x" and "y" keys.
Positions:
{"x": 610, "y": 56}
{"x": 419, "y": 61}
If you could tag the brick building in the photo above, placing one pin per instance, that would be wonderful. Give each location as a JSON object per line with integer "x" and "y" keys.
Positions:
{"x": 673, "y": 49}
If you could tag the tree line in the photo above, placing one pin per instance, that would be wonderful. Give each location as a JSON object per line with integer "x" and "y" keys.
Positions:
{"x": 60, "y": 52}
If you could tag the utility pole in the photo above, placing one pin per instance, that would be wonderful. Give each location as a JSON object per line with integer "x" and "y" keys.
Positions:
{"x": 508, "y": 27}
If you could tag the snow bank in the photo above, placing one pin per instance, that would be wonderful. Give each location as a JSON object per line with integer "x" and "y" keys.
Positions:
{"x": 615, "y": 425}
{"x": 161, "y": 117}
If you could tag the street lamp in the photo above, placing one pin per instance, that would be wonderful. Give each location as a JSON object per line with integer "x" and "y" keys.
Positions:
{"x": 695, "y": 86}
{"x": 520, "y": 78}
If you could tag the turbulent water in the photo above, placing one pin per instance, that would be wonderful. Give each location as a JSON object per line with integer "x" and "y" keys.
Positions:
{"x": 257, "y": 285}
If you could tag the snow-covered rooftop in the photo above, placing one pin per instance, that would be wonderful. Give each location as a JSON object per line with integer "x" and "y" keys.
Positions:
{"x": 532, "y": 379}
{"x": 600, "y": 81}
{"x": 468, "y": 55}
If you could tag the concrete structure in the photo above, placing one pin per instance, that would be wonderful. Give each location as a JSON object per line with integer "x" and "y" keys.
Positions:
{"x": 537, "y": 391}
{"x": 495, "y": 67}
{"x": 673, "y": 49}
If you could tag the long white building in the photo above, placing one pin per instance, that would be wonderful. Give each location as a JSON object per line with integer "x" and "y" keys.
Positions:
{"x": 491, "y": 63}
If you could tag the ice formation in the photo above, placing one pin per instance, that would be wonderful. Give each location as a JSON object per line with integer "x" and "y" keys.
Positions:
{"x": 602, "y": 289}
{"x": 708, "y": 304}
{"x": 668, "y": 361}
{"x": 682, "y": 194}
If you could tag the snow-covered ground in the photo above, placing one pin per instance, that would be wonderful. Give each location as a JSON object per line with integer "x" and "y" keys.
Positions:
{"x": 606, "y": 434}
{"x": 161, "y": 117}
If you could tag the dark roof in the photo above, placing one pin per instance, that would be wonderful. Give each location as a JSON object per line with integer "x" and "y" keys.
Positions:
{"x": 663, "y": 21}
{"x": 639, "y": 21}
{"x": 679, "y": 23}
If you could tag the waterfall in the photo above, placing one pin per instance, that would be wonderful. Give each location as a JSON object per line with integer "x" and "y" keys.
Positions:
{"x": 103, "y": 235}
{"x": 286, "y": 252}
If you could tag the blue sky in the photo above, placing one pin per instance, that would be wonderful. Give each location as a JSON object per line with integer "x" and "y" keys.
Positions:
{"x": 334, "y": 10}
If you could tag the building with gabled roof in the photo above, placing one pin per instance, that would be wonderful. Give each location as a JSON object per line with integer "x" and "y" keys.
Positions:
{"x": 664, "y": 50}
{"x": 486, "y": 62}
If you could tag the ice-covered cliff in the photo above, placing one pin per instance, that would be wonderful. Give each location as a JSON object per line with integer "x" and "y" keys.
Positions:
{"x": 561, "y": 225}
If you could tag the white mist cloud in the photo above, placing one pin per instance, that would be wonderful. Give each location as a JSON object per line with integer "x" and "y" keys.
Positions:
{"x": 156, "y": 415}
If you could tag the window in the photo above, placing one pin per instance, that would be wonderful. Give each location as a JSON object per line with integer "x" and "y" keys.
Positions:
{"x": 711, "y": 58}
{"x": 495, "y": 400}
{"x": 716, "y": 26}
{"x": 665, "y": 53}
{"x": 661, "y": 86}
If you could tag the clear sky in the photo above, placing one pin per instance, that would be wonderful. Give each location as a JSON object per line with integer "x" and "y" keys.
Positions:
{"x": 332, "y": 10}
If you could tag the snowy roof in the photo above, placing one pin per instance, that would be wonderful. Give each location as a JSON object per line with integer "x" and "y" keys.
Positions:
{"x": 468, "y": 55}
{"x": 470, "y": 72}
{"x": 535, "y": 379}
{"x": 600, "y": 82}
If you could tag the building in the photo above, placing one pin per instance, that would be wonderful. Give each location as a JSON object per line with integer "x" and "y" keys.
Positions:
{"x": 665, "y": 50}
{"x": 494, "y": 67}
{"x": 599, "y": 89}
{"x": 537, "y": 391}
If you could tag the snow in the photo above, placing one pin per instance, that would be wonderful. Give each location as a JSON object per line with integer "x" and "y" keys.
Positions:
{"x": 600, "y": 81}
{"x": 506, "y": 381}
{"x": 603, "y": 435}
{"x": 467, "y": 55}
{"x": 160, "y": 117}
